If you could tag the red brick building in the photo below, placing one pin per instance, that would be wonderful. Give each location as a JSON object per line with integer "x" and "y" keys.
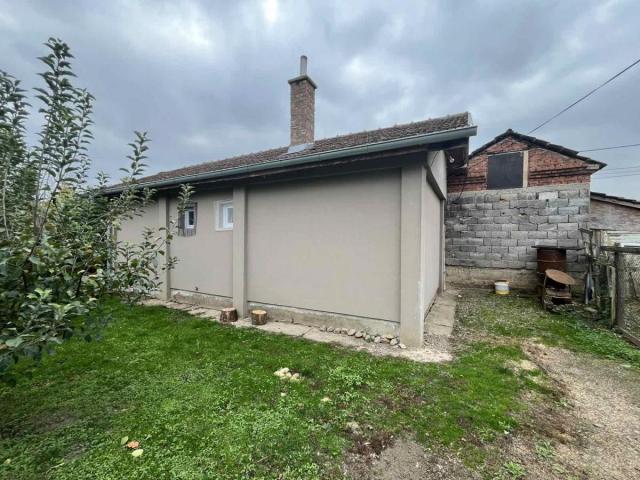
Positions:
{"x": 514, "y": 193}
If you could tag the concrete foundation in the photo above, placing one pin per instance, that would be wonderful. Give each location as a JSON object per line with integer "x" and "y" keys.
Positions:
{"x": 520, "y": 279}
{"x": 198, "y": 298}
{"x": 317, "y": 318}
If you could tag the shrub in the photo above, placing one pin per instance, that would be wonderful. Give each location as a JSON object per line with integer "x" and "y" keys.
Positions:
{"x": 58, "y": 253}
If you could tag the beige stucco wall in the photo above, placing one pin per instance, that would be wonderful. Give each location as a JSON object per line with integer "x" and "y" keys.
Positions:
{"x": 330, "y": 244}
{"x": 205, "y": 260}
{"x": 132, "y": 229}
{"x": 432, "y": 231}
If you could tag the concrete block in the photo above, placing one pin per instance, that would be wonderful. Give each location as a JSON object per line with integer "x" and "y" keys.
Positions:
{"x": 538, "y": 234}
{"x": 539, "y": 218}
{"x": 548, "y": 226}
{"x": 547, "y": 195}
{"x": 568, "y": 194}
{"x": 567, "y": 242}
{"x": 548, "y": 211}
{"x": 558, "y": 218}
{"x": 527, "y": 226}
{"x": 526, "y": 195}
{"x": 568, "y": 226}
{"x": 509, "y": 226}
{"x": 560, "y": 202}
{"x": 580, "y": 218}
{"x": 500, "y": 234}
{"x": 519, "y": 235}
{"x": 555, "y": 234}
{"x": 570, "y": 210}
{"x": 529, "y": 242}
{"x": 548, "y": 243}
{"x": 508, "y": 242}
{"x": 579, "y": 202}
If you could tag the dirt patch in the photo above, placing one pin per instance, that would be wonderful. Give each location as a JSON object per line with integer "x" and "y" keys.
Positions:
{"x": 406, "y": 460}
{"x": 592, "y": 431}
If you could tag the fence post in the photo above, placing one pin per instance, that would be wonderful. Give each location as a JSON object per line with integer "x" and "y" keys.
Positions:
{"x": 619, "y": 264}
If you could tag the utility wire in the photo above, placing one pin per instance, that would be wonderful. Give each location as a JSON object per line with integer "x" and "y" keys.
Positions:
{"x": 618, "y": 176}
{"x": 606, "y": 170}
{"x": 610, "y": 148}
{"x": 585, "y": 96}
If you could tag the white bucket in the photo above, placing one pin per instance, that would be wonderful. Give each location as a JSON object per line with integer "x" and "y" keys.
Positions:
{"x": 502, "y": 287}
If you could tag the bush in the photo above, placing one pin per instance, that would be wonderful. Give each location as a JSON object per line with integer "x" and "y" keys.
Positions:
{"x": 58, "y": 253}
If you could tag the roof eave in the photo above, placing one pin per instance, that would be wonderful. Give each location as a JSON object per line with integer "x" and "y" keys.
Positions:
{"x": 423, "y": 139}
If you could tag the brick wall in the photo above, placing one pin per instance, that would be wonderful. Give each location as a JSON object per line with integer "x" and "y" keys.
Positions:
{"x": 614, "y": 217}
{"x": 498, "y": 228}
{"x": 546, "y": 167}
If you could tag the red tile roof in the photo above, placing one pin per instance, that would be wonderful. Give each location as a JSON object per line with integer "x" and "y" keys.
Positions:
{"x": 441, "y": 124}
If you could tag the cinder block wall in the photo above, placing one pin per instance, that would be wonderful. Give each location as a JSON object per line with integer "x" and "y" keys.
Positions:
{"x": 498, "y": 229}
{"x": 490, "y": 234}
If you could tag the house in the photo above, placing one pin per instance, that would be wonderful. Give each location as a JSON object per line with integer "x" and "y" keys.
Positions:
{"x": 619, "y": 217}
{"x": 345, "y": 231}
{"x": 514, "y": 193}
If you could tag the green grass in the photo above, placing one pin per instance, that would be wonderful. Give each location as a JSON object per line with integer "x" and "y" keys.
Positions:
{"x": 522, "y": 317}
{"x": 202, "y": 400}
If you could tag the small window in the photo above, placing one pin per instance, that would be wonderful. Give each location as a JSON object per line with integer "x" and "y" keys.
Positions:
{"x": 224, "y": 213}
{"x": 188, "y": 221}
{"x": 505, "y": 170}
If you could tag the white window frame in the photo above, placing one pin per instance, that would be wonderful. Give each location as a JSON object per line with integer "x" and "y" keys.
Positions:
{"x": 222, "y": 206}
{"x": 187, "y": 225}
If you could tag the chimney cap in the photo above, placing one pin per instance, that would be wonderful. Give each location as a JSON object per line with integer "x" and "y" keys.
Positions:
{"x": 303, "y": 65}
{"x": 303, "y": 73}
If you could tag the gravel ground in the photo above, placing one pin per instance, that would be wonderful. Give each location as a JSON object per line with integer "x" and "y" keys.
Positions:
{"x": 600, "y": 425}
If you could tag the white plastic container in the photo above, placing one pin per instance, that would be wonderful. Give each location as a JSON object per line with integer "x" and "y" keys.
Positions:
{"x": 502, "y": 287}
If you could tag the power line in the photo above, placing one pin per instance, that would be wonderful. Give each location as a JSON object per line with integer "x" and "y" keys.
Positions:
{"x": 610, "y": 148}
{"x": 585, "y": 96}
{"x": 608, "y": 169}
{"x": 618, "y": 176}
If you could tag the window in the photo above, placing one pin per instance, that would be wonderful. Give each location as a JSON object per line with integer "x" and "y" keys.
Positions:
{"x": 224, "y": 214}
{"x": 505, "y": 170}
{"x": 188, "y": 221}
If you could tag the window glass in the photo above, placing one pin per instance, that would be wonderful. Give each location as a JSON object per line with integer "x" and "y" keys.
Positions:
{"x": 505, "y": 171}
{"x": 224, "y": 214}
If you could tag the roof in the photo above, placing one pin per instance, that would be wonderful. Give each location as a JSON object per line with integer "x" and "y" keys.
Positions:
{"x": 626, "y": 202}
{"x": 538, "y": 143}
{"x": 342, "y": 145}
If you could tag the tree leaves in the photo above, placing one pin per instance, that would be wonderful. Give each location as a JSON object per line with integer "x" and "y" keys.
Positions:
{"x": 59, "y": 253}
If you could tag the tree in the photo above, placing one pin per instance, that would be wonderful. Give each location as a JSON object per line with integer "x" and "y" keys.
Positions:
{"x": 59, "y": 257}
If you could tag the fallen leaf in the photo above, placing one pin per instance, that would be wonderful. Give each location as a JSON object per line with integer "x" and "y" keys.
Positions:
{"x": 133, "y": 444}
{"x": 137, "y": 453}
{"x": 124, "y": 440}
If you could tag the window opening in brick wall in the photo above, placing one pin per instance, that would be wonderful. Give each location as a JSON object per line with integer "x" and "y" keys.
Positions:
{"x": 505, "y": 170}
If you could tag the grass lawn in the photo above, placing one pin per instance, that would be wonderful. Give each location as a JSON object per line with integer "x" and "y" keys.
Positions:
{"x": 203, "y": 401}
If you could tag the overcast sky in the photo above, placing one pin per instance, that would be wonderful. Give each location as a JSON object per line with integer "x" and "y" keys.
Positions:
{"x": 208, "y": 79}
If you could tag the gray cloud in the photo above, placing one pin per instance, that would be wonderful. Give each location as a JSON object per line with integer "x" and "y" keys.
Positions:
{"x": 208, "y": 79}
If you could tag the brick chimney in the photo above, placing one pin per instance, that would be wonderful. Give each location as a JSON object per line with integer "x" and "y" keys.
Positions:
{"x": 303, "y": 107}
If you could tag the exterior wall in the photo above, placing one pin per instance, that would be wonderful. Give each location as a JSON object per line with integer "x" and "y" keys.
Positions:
{"x": 204, "y": 259}
{"x": 361, "y": 250}
{"x": 330, "y": 244}
{"x": 498, "y": 228}
{"x": 611, "y": 216}
{"x": 433, "y": 231}
{"x": 132, "y": 229}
